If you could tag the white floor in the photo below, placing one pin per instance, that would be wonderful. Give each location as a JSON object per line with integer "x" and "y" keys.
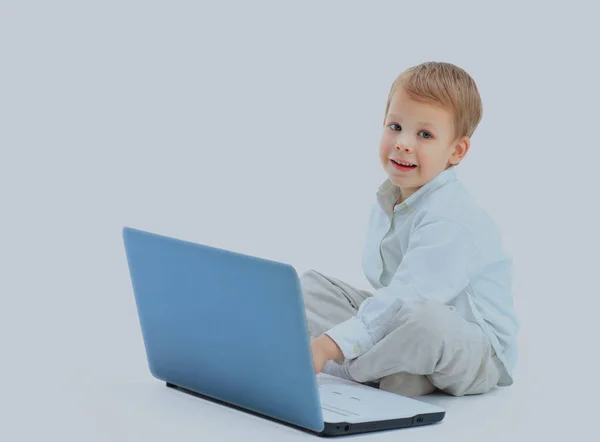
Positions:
{"x": 149, "y": 411}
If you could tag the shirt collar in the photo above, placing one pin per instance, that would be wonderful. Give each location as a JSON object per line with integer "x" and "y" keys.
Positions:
{"x": 388, "y": 193}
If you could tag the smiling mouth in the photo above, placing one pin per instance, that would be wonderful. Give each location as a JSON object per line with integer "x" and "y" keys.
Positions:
{"x": 403, "y": 166}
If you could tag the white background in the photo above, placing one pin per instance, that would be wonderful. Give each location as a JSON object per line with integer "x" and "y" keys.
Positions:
{"x": 254, "y": 126}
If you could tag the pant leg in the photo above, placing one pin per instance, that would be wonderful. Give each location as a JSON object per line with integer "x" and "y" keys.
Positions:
{"x": 328, "y": 301}
{"x": 430, "y": 346}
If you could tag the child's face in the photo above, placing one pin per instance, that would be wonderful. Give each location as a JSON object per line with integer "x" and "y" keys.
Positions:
{"x": 421, "y": 134}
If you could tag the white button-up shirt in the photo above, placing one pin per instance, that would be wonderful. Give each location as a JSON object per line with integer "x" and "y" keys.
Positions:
{"x": 439, "y": 245}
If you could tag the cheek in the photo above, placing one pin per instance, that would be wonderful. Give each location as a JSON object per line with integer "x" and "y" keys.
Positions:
{"x": 421, "y": 156}
{"x": 383, "y": 149}
{"x": 384, "y": 146}
{"x": 429, "y": 161}
{"x": 424, "y": 160}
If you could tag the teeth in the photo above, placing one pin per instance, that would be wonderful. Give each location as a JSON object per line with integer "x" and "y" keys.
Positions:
{"x": 403, "y": 164}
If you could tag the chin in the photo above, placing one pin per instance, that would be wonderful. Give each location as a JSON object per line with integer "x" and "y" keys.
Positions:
{"x": 400, "y": 182}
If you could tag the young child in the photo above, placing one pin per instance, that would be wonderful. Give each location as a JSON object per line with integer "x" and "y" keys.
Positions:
{"x": 441, "y": 315}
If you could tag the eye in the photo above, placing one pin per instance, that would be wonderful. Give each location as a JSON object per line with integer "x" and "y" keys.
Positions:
{"x": 394, "y": 124}
{"x": 428, "y": 135}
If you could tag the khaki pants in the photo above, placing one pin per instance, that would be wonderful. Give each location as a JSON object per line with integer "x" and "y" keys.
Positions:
{"x": 428, "y": 346}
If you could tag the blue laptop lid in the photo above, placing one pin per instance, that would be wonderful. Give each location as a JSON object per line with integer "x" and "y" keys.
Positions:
{"x": 226, "y": 325}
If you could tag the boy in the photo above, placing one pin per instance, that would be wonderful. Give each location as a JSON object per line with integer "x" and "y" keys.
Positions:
{"x": 441, "y": 316}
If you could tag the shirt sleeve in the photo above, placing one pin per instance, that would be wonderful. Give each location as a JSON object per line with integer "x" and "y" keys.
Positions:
{"x": 440, "y": 260}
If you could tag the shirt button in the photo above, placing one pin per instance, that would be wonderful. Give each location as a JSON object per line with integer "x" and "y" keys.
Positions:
{"x": 379, "y": 266}
{"x": 356, "y": 348}
{"x": 410, "y": 210}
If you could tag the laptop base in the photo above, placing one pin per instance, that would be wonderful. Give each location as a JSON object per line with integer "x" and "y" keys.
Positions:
{"x": 331, "y": 429}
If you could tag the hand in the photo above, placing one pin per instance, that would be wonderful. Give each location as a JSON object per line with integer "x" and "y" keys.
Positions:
{"x": 324, "y": 349}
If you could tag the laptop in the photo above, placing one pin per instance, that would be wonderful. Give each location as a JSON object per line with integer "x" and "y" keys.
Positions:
{"x": 231, "y": 328}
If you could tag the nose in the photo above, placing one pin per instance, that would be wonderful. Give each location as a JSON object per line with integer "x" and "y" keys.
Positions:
{"x": 402, "y": 146}
{"x": 403, "y": 142}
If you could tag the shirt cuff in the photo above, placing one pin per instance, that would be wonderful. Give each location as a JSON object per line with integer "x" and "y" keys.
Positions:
{"x": 352, "y": 338}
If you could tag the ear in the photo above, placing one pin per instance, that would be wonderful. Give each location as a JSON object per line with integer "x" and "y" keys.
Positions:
{"x": 459, "y": 150}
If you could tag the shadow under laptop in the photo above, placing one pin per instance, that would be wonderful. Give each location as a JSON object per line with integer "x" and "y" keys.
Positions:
{"x": 152, "y": 408}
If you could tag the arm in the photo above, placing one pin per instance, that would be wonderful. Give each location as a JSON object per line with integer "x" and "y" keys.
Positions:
{"x": 441, "y": 259}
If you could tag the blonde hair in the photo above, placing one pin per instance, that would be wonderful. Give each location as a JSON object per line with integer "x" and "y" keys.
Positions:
{"x": 445, "y": 85}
